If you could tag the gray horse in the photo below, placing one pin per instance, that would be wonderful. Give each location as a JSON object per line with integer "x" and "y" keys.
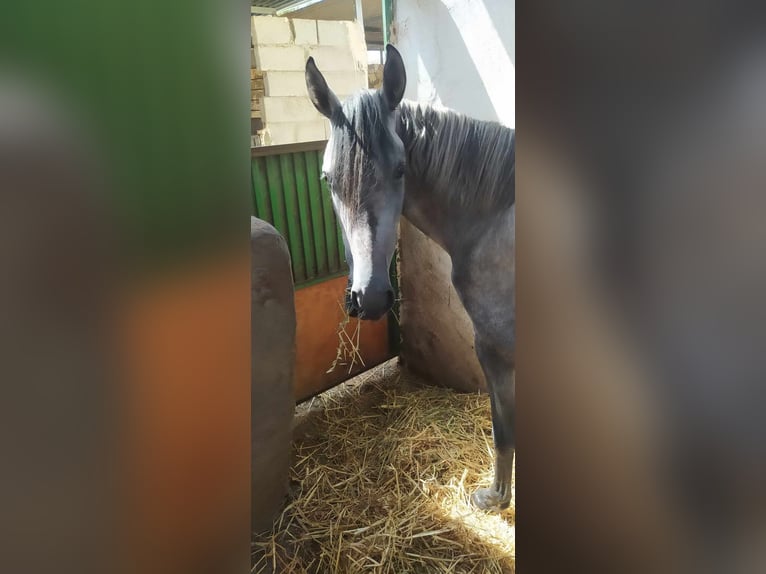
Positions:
{"x": 453, "y": 177}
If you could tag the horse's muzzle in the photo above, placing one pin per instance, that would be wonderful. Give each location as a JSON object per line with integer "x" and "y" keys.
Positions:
{"x": 371, "y": 303}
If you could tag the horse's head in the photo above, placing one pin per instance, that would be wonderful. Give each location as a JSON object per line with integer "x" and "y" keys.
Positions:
{"x": 364, "y": 168}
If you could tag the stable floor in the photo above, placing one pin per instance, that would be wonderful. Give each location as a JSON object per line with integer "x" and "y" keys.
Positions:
{"x": 382, "y": 473}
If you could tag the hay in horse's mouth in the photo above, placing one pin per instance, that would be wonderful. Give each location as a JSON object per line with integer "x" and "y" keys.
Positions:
{"x": 383, "y": 470}
{"x": 347, "y": 352}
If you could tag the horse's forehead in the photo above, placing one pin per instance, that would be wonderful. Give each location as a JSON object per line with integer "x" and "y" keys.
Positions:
{"x": 388, "y": 148}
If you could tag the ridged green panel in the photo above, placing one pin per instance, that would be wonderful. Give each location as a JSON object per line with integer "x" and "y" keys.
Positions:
{"x": 261, "y": 200}
{"x": 293, "y": 217}
{"x": 304, "y": 212}
{"x": 289, "y": 193}
{"x": 317, "y": 218}
{"x": 276, "y": 195}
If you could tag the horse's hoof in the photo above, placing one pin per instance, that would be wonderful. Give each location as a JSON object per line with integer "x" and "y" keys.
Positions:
{"x": 490, "y": 500}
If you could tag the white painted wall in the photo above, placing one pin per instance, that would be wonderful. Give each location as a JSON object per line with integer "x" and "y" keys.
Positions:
{"x": 460, "y": 54}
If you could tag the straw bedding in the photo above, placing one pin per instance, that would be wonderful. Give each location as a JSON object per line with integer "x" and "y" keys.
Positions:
{"x": 383, "y": 470}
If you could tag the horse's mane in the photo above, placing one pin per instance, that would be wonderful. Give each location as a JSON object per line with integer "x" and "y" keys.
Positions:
{"x": 471, "y": 162}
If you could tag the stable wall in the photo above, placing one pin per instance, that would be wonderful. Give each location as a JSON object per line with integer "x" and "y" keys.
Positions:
{"x": 459, "y": 54}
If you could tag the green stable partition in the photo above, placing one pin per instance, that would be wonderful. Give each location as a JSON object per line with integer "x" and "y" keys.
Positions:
{"x": 289, "y": 193}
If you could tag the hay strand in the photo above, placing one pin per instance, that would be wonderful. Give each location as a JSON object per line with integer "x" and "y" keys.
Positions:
{"x": 347, "y": 352}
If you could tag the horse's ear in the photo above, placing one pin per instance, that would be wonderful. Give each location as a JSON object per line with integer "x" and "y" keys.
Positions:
{"x": 320, "y": 93}
{"x": 394, "y": 77}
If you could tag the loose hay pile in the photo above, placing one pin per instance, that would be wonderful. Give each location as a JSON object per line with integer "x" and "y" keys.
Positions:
{"x": 383, "y": 471}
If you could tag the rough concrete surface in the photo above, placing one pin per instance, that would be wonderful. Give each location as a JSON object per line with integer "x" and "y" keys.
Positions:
{"x": 437, "y": 334}
{"x": 273, "y": 364}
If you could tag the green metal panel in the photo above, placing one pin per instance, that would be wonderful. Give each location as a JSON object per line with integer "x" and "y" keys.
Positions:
{"x": 292, "y": 213}
{"x": 301, "y": 188}
{"x": 288, "y": 192}
{"x": 317, "y": 219}
{"x": 262, "y": 202}
{"x": 278, "y": 216}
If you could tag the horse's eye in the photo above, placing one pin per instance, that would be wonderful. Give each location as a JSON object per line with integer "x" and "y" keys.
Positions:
{"x": 399, "y": 171}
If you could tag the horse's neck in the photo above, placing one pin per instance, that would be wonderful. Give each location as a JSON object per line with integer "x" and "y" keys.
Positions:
{"x": 425, "y": 202}
{"x": 424, "y": 214}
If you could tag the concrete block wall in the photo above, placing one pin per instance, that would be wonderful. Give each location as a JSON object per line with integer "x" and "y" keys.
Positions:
{"x": 281, "y": 47}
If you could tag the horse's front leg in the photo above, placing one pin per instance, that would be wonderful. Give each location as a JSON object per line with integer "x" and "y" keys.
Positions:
{"x": 499, "y": 372}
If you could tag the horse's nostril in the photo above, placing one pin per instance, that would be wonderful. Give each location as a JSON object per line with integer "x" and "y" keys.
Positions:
{"x": 390, "y": 298}
{"x": 354, "y": 299}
